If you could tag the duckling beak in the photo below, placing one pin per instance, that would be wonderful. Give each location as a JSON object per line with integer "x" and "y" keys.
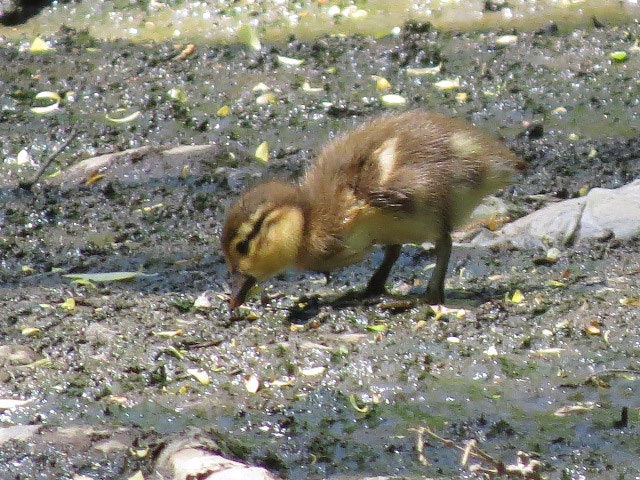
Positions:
{"x": 240, "y": 286}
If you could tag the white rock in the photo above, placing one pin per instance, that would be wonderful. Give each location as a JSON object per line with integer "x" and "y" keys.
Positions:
{"x": 611, "y": 211}
{"x": 490, "y": 207}
{"x": 18, "y": 432}
{"x": 554, "y": 224}
{"x": 184, "y": 459}
{"x": 602, "y": 212}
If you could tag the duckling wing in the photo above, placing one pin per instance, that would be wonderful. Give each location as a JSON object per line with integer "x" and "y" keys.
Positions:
{"x": 392, "y": 200}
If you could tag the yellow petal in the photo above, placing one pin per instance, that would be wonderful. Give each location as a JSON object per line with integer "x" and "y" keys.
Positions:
{"x": 618, "y": 56}
{"x": 461, "y": 97}
{"x": 262, "y": 152}
{"x": 39, "y": 46}
{"x": 517, "y": 297}
{"x": 69, "y": 304}
{"x": 382, "y": 83}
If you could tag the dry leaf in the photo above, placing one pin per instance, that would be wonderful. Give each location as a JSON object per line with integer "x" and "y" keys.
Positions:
{"x": 393, "y": 100}
{"x": 292, "y": 62}
{"x": 448, "y": 84}
{"x": 10, "y": 403}
{"x": 31, "y": 331}
{"x": 186, "y": 51}
{"x": 200, "y": 375}
{"x": 544, "y": 352}
{"x": 313, "y": 371}
{"x": 574, "y": 409}
{"x": 506, "y": 39}
{"x": 417, "y": 72}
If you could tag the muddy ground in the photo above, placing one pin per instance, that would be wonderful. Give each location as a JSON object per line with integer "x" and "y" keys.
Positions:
{"x": 113, "y": 371}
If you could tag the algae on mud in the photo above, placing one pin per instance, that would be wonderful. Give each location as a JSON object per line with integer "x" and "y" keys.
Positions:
{"x": 109, "y": 376}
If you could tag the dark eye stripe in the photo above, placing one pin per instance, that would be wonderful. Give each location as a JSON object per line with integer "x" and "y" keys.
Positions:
{"x": 243, "y": 246}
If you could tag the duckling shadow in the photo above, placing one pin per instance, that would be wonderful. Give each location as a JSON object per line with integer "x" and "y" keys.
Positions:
{"x": 304, "y": 311}
{"x": 309, "y": 308}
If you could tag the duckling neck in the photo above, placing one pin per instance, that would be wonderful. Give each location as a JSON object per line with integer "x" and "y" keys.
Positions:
{"x": 323, "y": 221}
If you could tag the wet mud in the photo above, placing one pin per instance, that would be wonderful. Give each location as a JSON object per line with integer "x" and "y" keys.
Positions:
{"x": 342, "y": 386}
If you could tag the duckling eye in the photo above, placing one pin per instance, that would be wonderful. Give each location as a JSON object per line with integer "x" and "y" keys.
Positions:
{"x": 243, "y": 247}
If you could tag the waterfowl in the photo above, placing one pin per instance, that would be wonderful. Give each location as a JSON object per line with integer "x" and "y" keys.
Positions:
{"x": 404, "y": 178}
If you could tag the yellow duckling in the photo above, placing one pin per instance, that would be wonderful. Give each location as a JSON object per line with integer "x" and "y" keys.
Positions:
{"x": 405, "y": 178}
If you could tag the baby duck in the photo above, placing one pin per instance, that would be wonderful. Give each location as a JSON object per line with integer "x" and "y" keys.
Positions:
{"x": 405, "y": 178}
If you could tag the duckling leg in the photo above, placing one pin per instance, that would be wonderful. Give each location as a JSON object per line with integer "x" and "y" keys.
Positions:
{"x": 376, "y": 285}
{"x": 435, "y": 288}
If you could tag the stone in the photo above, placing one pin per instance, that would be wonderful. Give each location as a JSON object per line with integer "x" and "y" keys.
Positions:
{"x": 602, "y": 213}
{"x": 611, "y": 212}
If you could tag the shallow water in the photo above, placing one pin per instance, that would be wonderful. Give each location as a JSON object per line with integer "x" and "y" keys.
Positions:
{"x": 277, "y": 20}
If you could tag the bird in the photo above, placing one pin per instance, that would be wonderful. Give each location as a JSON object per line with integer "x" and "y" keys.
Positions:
{"x": 400, "y": 178}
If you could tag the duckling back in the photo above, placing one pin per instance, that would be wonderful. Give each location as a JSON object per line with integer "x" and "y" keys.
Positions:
{"x": 405, "y": 178}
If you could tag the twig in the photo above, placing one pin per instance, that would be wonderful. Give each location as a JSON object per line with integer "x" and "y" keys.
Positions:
{"x": 422, "y": 458}
{"x": 27, "y": 185}
{"x": 525, "y": 467}
{"x": 612, "y": 371}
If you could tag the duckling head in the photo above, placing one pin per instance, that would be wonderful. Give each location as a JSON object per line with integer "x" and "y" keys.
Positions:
{"x": 262, "y": 235}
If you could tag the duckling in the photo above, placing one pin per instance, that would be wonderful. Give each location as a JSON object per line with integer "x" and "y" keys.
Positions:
{"x": 405, "y": 178}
